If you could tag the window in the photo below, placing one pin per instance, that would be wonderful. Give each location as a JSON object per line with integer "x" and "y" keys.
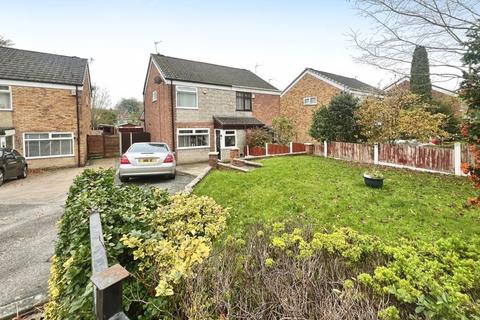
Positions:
{"x": 5, "y": 98}
{"x": 244, "y": 101}
{"x": 230, "y": 138}
{"x": 193, "y": 138}
{"x": 154, "y": 96}
{"x": 310, "y": 101}
{"x": 187, "y": 97}
{"x": 45, "y": 145}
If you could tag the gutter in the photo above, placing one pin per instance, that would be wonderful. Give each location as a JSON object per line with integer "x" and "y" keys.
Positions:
{"x": 173, "y": 118}
{"x": 78, "y": 125}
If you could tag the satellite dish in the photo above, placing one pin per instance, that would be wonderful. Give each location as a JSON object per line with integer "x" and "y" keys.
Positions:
{"x": 157, "y": 79}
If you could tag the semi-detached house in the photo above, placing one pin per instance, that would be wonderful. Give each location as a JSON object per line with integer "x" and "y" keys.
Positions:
{"x": 45, "y": 107}
{"x": 197, "y": 107}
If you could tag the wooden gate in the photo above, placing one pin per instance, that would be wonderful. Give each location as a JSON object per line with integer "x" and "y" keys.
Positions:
{"x": 128, "y": 138}
{"x": 100, "y": 146}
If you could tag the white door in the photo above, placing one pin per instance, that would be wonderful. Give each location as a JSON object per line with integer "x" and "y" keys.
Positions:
{"x": 3, "y": 142}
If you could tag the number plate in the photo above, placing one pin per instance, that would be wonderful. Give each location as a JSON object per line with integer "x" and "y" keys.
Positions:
{"x": 150, "y": 160}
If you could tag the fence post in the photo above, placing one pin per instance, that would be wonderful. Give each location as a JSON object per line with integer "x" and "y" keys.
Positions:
{"x": 375, "y": 153}
{"x": 457, "y": 158}
{"x": 266, "y": 149}
{"x": 107, "y": 281}
{"x": 291, "y": 147}
{"x": 325, "y": 148}
{"x": 248, "y": 151}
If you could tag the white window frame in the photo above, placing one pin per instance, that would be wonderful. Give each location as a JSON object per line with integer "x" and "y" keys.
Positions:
{"x": 310, "y": 101}
{"x": 154, "y": 96}
{"x": 9, "y": 91}
{"x": 49, "y": 138}
{"x": 193, "y": 133}
{"x": 186, "y": 89}
{"x": 225, "y": 134}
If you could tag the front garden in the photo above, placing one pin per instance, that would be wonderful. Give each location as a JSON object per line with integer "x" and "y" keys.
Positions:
{"x": 300, "y": 238}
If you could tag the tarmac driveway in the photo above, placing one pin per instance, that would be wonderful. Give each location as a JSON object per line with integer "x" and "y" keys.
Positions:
{"x": 29, "y": 210}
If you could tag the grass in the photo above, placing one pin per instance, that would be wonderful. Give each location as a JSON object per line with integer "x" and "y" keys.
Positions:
{"x": 327, "y": 193}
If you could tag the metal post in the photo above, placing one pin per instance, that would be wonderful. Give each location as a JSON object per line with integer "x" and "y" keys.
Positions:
{"x": 107, "y": 281}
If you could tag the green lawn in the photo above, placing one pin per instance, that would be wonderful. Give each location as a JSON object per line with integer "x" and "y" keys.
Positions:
{"x": 326, "y": 193}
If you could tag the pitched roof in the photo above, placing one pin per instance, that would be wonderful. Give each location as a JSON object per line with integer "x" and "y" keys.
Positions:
{"x": 207, "y": 73}
{"x": 434, "y": 86}
{"x": 24, "y": 65}
{"x": 341, "y": 82}
{"x": 231, "y": 122}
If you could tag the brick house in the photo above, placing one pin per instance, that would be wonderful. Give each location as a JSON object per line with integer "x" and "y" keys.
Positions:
{"x": 45, "y": 107}
{"x": 312, "y": 89}
{"x": 198, "y": 107}
{"x": 437, "y": 92}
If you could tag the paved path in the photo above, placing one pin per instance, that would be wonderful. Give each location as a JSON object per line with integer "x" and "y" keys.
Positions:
{"x": 29, "y": 210}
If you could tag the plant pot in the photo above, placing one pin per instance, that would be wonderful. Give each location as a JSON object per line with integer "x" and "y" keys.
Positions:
{"x": 373, "y": 182}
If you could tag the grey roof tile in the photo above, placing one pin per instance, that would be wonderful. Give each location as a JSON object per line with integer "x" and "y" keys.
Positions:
{"x": 201, "y": 72}
{"x": 24, "y": 65}
{"x": 349, "y": 83}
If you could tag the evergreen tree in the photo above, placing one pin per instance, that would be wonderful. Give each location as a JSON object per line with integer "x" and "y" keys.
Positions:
{"x": 420, "y": 83}
{"x": 337, "y": 121}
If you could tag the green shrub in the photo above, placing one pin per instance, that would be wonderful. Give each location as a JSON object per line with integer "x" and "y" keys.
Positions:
{"x": 258, "y": 137}
{"x": 149, "y": 215}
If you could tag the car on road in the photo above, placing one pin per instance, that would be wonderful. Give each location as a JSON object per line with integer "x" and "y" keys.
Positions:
{"x": 147, "y": 159}
{"x": 12, "y": 165}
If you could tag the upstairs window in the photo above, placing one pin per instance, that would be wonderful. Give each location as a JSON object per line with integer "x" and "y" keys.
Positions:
{"x": 187, "y": 97}
{"x": 244, "y": 101}
{"x": 154, "y": 96}
{"x": 310, "y": 101}
{"x": 5, "y": 98}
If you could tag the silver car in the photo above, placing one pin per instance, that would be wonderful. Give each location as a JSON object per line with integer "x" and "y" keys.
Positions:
{"x": 147, "y": 158}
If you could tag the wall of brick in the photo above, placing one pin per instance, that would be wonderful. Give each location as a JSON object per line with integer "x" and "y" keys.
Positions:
{"x": 158, "y": 114}
{"x": 266, "y": 107}
{"x": 291, "y": 103}
{"x": 85, "y": 100}
{"x": 45, "y": 110}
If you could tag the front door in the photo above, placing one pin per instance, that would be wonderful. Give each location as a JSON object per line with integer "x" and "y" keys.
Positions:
{"x": 218, "y": 143}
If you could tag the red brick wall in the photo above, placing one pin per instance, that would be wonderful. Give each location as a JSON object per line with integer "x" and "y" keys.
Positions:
{"x": 266, "y": 107}
{"x": 158, "y": 114}
{"x": 291, "y": 103}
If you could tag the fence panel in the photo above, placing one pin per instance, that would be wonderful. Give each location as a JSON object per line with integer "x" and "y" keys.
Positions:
{"x": 95, "y": 145}
{"x": 277, "y": 148}
{"x": 318, "y": 149}
{"x": 256, "y": 151}
{"x": 467, "y": 156}
{"x": 351, "y": 151}
{"x": 111, "y": 145}
{"x": 430, "y": 158}
{"x": 298, "y": 147}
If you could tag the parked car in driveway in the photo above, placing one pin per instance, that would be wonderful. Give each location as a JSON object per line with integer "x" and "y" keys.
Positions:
{"x": 147, "y": 159}
{"x": 12, "y": 165}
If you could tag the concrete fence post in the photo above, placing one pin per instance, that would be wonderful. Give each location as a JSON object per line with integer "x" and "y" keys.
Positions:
{"x": 248, "y": 151}
{"x": 325, "y": 148}
{"x": 375, "y": 153}
{"x": 457, "y": 158}
{"x": 266, "y": 149}
{"x": 291, "y": 147}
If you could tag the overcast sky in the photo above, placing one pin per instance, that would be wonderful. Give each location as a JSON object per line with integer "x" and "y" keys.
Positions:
{"x": 283, "y": 37}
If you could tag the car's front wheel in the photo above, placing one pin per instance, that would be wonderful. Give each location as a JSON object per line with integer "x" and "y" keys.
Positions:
{"x": 24, "y": 173}
{"x": 124, "y": 179}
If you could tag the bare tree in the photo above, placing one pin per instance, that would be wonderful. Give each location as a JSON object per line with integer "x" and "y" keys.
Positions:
{"x": 101, "y": 102}
{"x": 4, "y": 42}
{"x": 399, "y": 25}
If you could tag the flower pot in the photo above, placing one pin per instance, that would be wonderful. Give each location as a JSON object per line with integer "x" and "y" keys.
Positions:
{"x": 373, "y": 182}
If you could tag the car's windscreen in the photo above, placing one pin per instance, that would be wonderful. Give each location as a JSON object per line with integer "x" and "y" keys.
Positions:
{"x": 148, "y": 148}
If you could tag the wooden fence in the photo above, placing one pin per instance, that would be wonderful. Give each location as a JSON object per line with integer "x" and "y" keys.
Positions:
{"x": 274, "y": 148}
{"x": 103, "y": 145}
{"x": 424, "y": 158}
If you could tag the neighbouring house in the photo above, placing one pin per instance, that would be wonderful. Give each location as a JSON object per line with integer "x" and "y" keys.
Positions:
{"x": 438, "y": 92}
{"x": 312, "y": 89}
{"x": 45, "y": 107}
{"x": 198, "y": 107}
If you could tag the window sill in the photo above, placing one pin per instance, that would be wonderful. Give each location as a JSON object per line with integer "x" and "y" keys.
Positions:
{"x": 9, "y": 110}
{"x": 50, "y": 157}
{"x": 188, "y": 148}
{"x": 187, "y": 108}
{"x": 244, "y": 110}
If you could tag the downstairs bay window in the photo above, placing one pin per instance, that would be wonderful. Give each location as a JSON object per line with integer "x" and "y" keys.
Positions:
{"x": 193, "y": 138}
{"x": 48, "y": 145}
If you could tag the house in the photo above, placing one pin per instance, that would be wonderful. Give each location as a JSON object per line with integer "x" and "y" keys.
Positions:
{"x": 437, "y": 92}
{"x": 312, "y": 89}
{"x": 197, "y": 107}
{"x": 45, "y": 107}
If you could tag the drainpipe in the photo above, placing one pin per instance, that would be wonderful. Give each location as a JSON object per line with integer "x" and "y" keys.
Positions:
{"x": 78, "y": 125}
{"x": 173, "y": 119}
